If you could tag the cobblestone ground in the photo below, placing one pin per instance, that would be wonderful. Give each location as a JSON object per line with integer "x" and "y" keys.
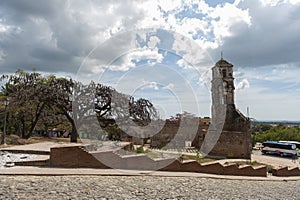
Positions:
{"x": 142, "y": 187}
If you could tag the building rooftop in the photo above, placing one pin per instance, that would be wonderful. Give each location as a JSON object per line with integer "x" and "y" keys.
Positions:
{"x": 223, "y": 62}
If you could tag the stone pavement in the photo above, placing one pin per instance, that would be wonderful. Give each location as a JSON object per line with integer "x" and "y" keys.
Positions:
{"x": 157, "y": 186}
{"x": 47, "y": 171}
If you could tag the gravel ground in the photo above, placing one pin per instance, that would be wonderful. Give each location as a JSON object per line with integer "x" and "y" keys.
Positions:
{"x": 275, "y": 161}
{"x": 142, "y": 187}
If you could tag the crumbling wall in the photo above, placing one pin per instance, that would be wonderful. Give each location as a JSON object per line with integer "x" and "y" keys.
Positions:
{"x": 78, "y": 157}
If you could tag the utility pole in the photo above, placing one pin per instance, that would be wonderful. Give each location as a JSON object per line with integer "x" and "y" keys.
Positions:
{"x": 248, "y": 114}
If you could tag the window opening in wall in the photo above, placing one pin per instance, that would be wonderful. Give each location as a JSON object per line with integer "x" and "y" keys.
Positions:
{"x": 224, "y": 73}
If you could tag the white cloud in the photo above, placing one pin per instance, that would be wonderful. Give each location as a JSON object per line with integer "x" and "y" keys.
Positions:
{"x": 141, "y": 54}
{"x": 4, "y": 28}
{"x": 192, "y": 54}
{"x": 294, "y": 1}
{"x": 150, "y": 84}
{"x": 271, "y": 2}
{"x": 282, "y": 74}
{"x": 154, "y": 86}
{"x": 153, "y": 42}
{"x": 170, "y": 86}
{"x": 124, "y": 62}
{"x": 182, "y": 63}
{"x": 205, "y": 78}
{"x": 277, "y": 2}
{"x": 152, "y": 15}
{"x": 217, "y": 21}
{"x": 229, "y": 16}
{"x": 169, "y": 5}
{"x": 244, "y": 84}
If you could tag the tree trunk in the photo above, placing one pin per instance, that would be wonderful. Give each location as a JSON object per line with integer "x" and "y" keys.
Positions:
{"x": 33, "y": 124}
{"x": 46, "y": 134}
{"x": 23, "y": 129}
{"x": 74, "y": 132}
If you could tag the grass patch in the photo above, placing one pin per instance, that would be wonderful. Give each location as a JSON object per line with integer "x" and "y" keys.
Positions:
{"x": 252, "y": 163}
{"x": 197, "y": 158}
{"x": 141, "y": 150}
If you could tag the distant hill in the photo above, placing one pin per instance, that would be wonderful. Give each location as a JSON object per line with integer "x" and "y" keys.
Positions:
{"x": 277, "y": 122}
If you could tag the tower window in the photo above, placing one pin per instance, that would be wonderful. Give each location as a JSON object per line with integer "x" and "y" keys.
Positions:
{"x": 224, "y": 73}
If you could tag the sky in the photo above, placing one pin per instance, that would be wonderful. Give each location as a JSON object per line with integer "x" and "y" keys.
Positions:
{"x": 163, "y": 50}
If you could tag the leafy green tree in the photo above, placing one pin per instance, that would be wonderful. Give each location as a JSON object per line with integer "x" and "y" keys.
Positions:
{"x": 278, "y": 133}
{"x": 35, "y": 98}
{"x": 26, "y": 100}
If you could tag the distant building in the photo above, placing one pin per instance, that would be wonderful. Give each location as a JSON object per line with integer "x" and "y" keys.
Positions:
{"x": 229, "y": 133}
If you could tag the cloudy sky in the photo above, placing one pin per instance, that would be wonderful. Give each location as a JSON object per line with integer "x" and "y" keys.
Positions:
{"x": 163, "y": 50}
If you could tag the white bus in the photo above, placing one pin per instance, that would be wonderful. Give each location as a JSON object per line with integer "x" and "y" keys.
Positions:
{"x": 295, "y": 143}
{"x": 279, "y": 148}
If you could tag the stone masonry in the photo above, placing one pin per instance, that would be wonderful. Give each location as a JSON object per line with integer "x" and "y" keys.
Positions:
{"x": 229, "y": 133}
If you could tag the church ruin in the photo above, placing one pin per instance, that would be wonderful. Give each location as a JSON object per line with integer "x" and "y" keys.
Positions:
{"x": 225, "y": 135}
{"x": 228, "y": 135}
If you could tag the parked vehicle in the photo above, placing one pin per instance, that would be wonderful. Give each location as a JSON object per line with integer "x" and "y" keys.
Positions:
{"x": 279, "y": 148}
{"x": 295, "y": 143}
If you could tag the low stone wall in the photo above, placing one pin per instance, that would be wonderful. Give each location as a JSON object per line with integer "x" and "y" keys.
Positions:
{"x": 78, "y": 157}
{"x": 217, "y": 168}
{"x": 73, "y": 156}
{"x": 285, "y": 171}
{"x": 39, "y": 163}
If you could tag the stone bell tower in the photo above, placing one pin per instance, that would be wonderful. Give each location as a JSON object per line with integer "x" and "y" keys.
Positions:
{"x": 222, "y": 87}
{"x": 228, "y": 135}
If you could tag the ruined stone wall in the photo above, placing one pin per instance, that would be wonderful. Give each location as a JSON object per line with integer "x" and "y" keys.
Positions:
{"x": 231, "y": 137}
{"x": 231, "y": 144}
{"x": 165, "y": 135}
{"x": 168, "y": 132}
